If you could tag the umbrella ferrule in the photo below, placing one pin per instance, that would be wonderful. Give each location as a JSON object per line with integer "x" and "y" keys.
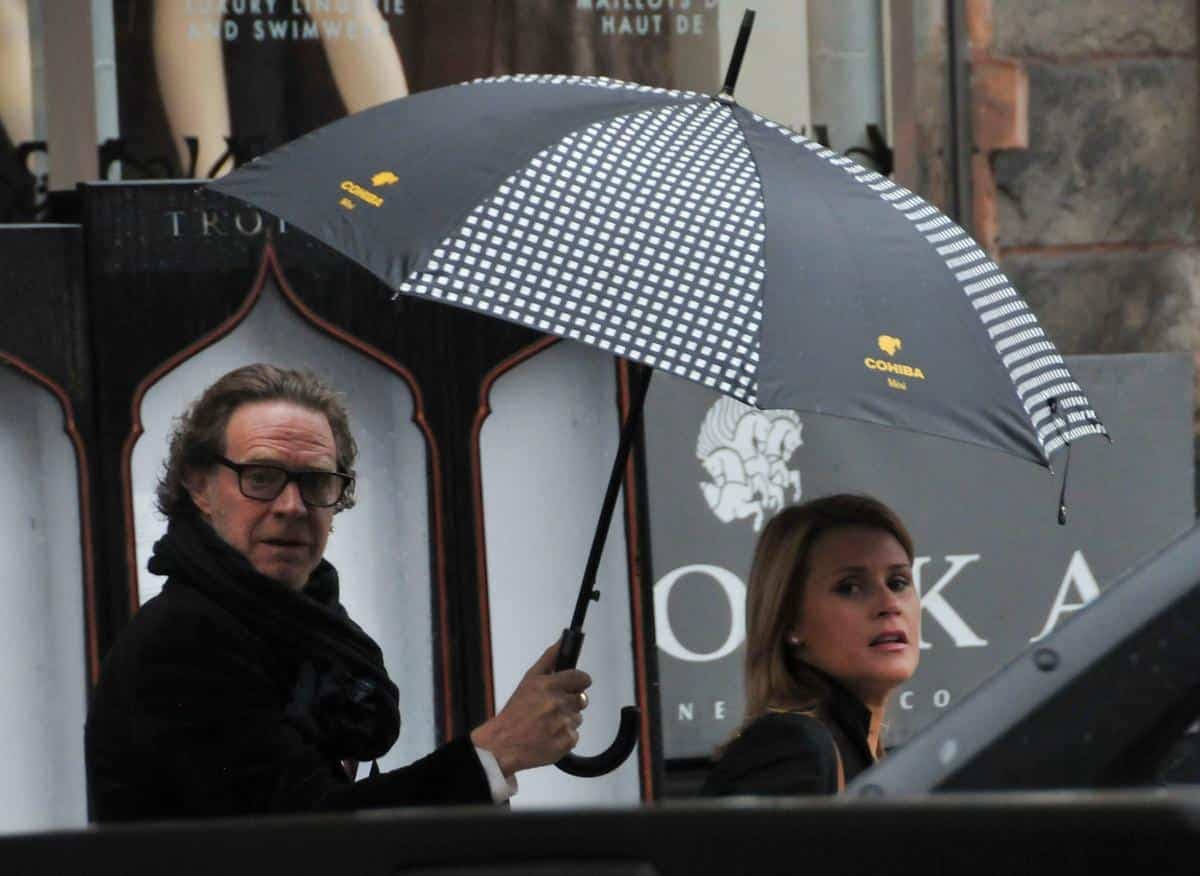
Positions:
{"x": 739, "y": 52}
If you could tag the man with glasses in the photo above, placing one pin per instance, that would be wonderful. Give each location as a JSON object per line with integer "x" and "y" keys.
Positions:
{"x": 244, "y": 687}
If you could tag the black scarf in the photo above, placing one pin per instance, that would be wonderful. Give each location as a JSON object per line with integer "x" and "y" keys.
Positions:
{"x": 343, "y": 698}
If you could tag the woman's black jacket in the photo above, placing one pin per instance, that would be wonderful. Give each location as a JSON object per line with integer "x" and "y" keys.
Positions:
{"x": 786, "y": 753}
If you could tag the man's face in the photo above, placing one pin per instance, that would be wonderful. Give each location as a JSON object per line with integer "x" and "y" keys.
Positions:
{"x": 283, "y": 539}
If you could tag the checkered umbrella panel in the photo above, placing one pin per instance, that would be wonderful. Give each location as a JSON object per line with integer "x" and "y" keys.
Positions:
{"x": 684, "y": 232}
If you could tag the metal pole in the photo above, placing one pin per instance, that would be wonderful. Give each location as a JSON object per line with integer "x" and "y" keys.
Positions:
{"x": 959, "y": 128}
{"x": 902, "y": 124}
{"x": 108, "y": 124}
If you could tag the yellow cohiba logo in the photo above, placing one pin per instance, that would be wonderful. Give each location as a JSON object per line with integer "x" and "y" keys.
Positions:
{"x": 891, "y": 345}
{"x": 383, "y": 178}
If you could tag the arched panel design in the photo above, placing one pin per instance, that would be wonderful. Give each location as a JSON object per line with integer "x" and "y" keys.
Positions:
{"x": 181, "y": 261}
{"x": 380, "y": 547}
{"x": 43, "y": 672}
{"x": 545, "y": 454}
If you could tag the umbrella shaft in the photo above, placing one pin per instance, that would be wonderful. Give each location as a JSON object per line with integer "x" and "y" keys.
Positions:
{"x": 587, "y": 591}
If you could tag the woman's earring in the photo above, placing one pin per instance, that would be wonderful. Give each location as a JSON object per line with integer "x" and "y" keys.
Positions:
{"x": 795, "y": 641}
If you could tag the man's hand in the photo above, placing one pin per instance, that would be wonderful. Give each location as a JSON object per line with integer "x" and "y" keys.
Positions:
{"x": 539, "y": 723}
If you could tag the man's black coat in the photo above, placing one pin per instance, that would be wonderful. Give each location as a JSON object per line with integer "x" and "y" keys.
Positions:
{"x": 229, "y": 694}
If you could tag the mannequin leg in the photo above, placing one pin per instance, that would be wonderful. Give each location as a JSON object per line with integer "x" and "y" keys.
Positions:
{"x": 191, "y": 76}
{"x": 16, "y": 72}
{"x": 367, "y": 68}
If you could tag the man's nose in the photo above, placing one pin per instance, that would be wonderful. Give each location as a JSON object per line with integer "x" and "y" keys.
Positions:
{"x": 289, "y": 501}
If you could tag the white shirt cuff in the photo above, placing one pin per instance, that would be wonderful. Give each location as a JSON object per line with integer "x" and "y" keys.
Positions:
{"x": 502, "y": 786}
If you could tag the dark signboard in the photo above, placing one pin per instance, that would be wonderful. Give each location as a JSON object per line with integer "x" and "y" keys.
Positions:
{"x": 995, "y": 569}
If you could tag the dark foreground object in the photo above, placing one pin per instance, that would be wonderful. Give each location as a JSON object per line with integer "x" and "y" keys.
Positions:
{"x": 1111, "y": 699}
{"x": 1156, "y": 831}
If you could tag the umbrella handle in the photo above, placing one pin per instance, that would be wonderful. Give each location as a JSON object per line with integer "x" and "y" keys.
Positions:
{"x": 627, "y": 734}
{"x": 613, "y": 756}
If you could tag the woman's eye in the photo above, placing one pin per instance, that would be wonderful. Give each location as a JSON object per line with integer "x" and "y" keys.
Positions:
{"x": 899, "y": 583}
{"x": 846, "y": 587}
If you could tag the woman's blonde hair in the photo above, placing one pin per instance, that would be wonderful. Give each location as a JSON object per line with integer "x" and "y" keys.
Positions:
{"x": 774, "y": 678}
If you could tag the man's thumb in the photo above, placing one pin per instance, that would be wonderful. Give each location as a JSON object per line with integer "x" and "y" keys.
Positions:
{"x": 545, "y": 663}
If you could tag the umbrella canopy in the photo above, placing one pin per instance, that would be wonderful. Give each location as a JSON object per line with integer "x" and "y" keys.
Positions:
{"x": 685, "y": 232}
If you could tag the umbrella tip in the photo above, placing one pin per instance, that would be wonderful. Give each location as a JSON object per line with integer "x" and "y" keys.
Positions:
{"x": 1062, "y": 496}
{"x": 739, "y": 52}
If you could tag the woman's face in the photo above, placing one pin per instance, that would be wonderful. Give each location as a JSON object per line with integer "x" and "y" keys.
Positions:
{"x": 860, "y": 615}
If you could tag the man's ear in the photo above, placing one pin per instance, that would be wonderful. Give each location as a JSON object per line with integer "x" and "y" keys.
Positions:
{"x": 196, "y": 482}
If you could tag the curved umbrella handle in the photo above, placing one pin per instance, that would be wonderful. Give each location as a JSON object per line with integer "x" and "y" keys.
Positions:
{"x": 627, "y": 734}
{"x": 613, "y": 756}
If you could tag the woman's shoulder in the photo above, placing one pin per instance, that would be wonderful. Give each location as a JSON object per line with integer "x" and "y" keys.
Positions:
{"x": 784, "y": 725}
{"x": 778, "y": 753}
{"x": 780, "y": 736}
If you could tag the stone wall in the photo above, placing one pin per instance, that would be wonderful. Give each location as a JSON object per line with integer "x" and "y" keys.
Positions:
{"x": 1095, "y": 218}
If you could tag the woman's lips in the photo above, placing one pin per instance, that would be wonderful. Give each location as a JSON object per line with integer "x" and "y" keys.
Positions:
{"x": 890, "y": 641}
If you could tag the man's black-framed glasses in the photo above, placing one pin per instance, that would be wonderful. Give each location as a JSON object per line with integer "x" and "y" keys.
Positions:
{"x": 264, "y": 482}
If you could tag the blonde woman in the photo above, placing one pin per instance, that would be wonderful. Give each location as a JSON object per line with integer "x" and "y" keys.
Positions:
{"x": 833, "y": 627}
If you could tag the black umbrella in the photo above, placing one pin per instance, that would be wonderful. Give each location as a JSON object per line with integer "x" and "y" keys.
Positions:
{"x": 686, "y": 233}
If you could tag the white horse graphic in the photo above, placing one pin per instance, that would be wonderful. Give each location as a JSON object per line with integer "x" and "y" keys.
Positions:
{"x": 746, "y": 453}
